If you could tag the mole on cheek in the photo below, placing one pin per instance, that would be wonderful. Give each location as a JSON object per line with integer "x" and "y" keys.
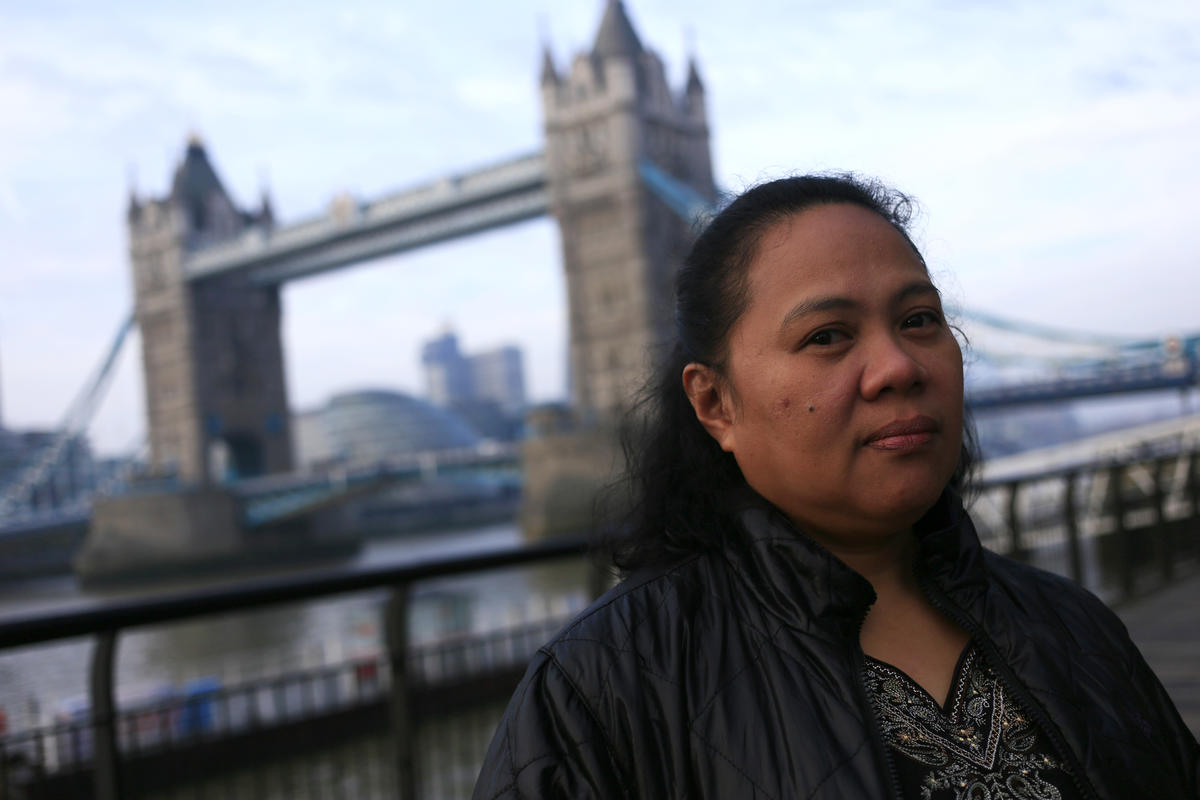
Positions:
{"x": 811, "y": 409}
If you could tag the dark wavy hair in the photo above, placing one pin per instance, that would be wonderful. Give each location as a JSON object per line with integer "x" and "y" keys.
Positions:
{"x": 676, "y": 474}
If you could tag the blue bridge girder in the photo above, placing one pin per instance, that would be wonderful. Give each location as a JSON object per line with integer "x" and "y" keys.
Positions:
{"x": 1115, "y": 380}
{"x": 273, "y": 499}
{"x": 276, "y": 498}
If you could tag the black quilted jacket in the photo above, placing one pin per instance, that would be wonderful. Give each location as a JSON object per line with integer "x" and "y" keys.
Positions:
{"x": 738, "y": 675}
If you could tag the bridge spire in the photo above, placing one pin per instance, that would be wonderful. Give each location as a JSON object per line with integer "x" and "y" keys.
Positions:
{"x": 616, "y": 36}
{"x": 265, "y": 216}
{"x": 694, "y": 85}
{"x": 134, "y": 207}
{"x": 549, "y": 71}
{"x": 198, "y": 192}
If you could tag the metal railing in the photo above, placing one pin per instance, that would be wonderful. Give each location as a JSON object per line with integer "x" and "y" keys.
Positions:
{"x": 413, "y": 720}
{"x": 1118, "y": 528}
{"x": 107, "y": 753}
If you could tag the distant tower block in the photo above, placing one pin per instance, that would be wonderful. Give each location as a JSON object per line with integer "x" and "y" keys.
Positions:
{"x": 621, "y": 245}
{"x": 211, "y": 350}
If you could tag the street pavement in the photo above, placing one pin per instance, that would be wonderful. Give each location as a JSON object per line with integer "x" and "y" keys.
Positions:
{"x": 1166, "y": 627}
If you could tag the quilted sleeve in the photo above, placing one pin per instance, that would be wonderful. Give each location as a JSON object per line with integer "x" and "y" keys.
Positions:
{"x": 548, "y": 745}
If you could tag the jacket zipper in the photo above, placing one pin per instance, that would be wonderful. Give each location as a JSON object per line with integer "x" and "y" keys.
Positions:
{"x": 942, "y": 602}
{"x": 873, "y": 729}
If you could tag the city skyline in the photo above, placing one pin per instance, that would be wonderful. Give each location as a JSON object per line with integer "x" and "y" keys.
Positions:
{"x": 1045, "y": 146}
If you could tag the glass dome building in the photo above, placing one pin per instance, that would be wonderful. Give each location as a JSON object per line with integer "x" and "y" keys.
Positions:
{"x": 368, "y": 426}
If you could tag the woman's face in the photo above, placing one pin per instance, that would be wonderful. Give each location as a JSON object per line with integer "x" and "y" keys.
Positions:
{"x": 843, "y": 394}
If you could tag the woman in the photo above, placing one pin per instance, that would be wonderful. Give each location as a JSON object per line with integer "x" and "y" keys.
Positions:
{"x": 807, "y": 610}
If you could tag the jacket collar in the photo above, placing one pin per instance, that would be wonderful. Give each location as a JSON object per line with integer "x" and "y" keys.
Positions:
{"x": 805, "y": 584}
{"x": 949, "y": 551}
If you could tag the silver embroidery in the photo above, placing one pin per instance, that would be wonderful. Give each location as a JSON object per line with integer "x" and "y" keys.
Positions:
{"x": 982, "y": 750}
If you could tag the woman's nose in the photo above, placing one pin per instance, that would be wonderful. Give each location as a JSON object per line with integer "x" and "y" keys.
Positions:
{"x": 890, "y": 367}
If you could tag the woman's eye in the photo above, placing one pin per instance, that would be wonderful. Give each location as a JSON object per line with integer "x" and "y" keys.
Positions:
{"x": 921, "y": 319}
{"x": 826, "y": 338}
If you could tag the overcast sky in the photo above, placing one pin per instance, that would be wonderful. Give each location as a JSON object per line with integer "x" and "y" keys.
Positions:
{"x": 1053, "y": 148}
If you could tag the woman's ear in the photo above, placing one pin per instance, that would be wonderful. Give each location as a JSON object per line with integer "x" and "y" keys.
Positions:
{"x": 711, "y": 400}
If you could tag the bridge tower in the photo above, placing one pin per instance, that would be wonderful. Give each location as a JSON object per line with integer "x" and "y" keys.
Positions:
{"x": 607, "y": 116}
{"x": 610, "y": 111}
{"x": 212, "y": 356}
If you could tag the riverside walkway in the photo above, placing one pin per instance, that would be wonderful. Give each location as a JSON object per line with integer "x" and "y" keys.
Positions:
{"x": 1166, "y": 627}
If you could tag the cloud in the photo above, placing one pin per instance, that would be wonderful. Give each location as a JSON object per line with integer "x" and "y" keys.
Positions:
{"x": 489, "y": 93}
{"x": 10, "y": 205}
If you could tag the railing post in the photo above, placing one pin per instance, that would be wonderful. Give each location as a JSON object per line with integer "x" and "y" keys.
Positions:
{"x": 106, "y": 766}
{"x": 1192, "y": 493}
{"x": 3, "y": 773}
{"x": 1122, "y": 532}
{"x": 1166, "y": 536}
{"x": 1193, "y": 482}
{"x": 599, "y": 580}
{"x": 39, "y": 748}
{"x": 1071, "y": 519}
{"x": 396, "y": 621}
{"x": 1016, "y": 549}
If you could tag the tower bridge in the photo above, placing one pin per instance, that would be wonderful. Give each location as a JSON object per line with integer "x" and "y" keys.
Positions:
{"x": 207, "y": 274}
{"x": 625, "y": 155}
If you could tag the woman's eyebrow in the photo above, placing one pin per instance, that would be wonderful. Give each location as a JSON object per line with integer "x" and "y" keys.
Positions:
{"x": 815, "y": 304}
{"x": 916, "y": 288}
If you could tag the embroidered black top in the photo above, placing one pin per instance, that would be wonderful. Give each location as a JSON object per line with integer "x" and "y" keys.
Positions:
{"x": 979, "y": 745}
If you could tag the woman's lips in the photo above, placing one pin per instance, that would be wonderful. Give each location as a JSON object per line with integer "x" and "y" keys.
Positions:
{"x": 903, "y": 434}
